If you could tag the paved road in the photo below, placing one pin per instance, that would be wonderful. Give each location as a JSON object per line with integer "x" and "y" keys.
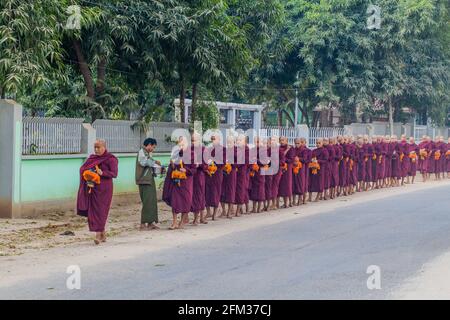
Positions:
{"x": 321, "y": 256}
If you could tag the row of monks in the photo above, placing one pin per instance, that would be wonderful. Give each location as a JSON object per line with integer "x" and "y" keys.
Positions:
{"x": 337, "y": 166}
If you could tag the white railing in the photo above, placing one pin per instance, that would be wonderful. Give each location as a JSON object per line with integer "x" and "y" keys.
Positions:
{"x": 51, "y": 135}
{"x": 316, "y": 133}
{"x": 121, "y": 135}
{"x": 289, "y": 132}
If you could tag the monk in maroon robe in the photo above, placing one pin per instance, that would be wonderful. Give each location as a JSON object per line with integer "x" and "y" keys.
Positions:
{"x": 257, "y": 178}
{"x": 285, "y": 185}
{"x": 269, "y": 197}
{"x": 241, "y": 197}
{"x": 275, "y": 146}
{"x": 227, "y": 198}
{"x": 300, "y": 180}
{"x": 335, "y": 167}
{"x": 423, "y": 158}
{"x": 178, "y": 193}
{"x": 317, "y": 178}
{"x": 361, "y": 163}
{"x": 442, "y": 161}
{"x": 447, "y": 159}
{"x": 198, "y": 196}
{"x": 343, "y": 169}
{"x": 329, "y": 168}
{"x": 404, "y": 159}
{"x": 394, "y": 156}
{"x": 94, "y": 201}
{"x": 413, "y": 155}
{"x": 369, "y": 151}
{"x": 214, "y": 156}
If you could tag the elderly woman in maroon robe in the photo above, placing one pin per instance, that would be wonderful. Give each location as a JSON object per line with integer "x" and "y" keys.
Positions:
{"x": 257, "y": 178}
{"x": 227, "y": 198}
{"x": 198, "y": 176}
{"x": 413, "y": 155}
{"x": 214, "y": 155}
{"x": 94, "y": 201}
{"x": 317, "y": 177}
{"x": 241, "y": 197}
{"x": 285, "y": 185}
{"x": 369, "y": 151}
{"x": 178, "y": 193}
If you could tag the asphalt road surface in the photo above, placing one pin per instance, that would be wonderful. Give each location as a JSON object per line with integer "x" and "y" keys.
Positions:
{"x": 323, "y": 256}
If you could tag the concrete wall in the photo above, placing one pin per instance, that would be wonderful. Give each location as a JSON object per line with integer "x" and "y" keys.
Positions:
{"x": 51, "y": 182}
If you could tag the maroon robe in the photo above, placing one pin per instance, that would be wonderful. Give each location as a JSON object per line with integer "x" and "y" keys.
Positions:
{"x": 285, "y": 185}
{"x": 381, "y": 151}
{"x": 442, "y": 160}
{"x": 329, "y": 174}
{"x": 354, "y": 170}
{"x": 268, "y": 181}
{"x": 257, "y": 182}
{"x": 423, "y": 163}
{"x": 242, "y": 177}
{"x": 343, "y": 166}
{"x": 394, "y": 152}
{"x": 404, "y": 164}
{"x": 431, "y": 162}
{"x": 96, "y": 204}
{"x": 179, "y": 195}
{"x": 198, "y": 196}
{"x": 213, "y": 184}
{"x": 229, "y": 179}
{"x": 374, "y": 161}
{"x": 369, "y": 151}
{"x": 277, "y": 176}
{"x": 413, "y": 164}
{"x": 447, "y": 158}
{"x": 317, "y": 181}
{"x": 335, "y": 165}
{"x": 361, "y": 163}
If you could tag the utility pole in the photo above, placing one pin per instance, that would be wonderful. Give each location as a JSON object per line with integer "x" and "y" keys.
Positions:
{"x": 296, "y": 102}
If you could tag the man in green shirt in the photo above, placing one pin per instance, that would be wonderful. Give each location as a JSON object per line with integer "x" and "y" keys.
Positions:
{"x": 145, "y": 173}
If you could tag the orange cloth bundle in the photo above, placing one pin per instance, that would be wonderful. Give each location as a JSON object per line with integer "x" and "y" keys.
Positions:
{"x": 255, "y": 169}
{"x": 423, "y": 154}
{"x": 413, "y": 156}
{"x": 437, "y": 155}
{"x": 374, "y": 157}
{"x": 297, "y": 167}
{"x": 447, "y": 154}
{"x": 212, "y": 168}
{"x": 366, "y": 159}
{"x": 178, "y": 175}
{"x": 227, "y": 168}
{"x": 314, "y": 166}
{"x": 380, "y": 159}
{"x": 92, "y": 178}
{"x": 402, "y": 155}
{"x": 351, "y": 165}
{"x": 284, "y": 167}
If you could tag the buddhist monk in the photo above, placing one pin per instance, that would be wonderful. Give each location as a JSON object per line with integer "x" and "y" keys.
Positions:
{"x": 178, "y": 187}
{"x": 145, "y": 173}
{"x": 300, "y": 188}
{"x": 394, "y": 155}
{"x": 242, "y": 174}
{"x": 198, "y": 176}
{"x": 214, "y": 157}
{"x": 286, "y": 161}
{"x": 361, "y": 163}
{"x": 269, "y": 202}
{"x": 404, "y": 160}
{"x": 317, "y": 175}
{"x": 227, "y": 198}
{"x": 94, "y": 199}
{"x": 328, "y": 168}
{"x": 442, "y": 161}
{"x": 423, "y": 158}
{"x": 413, "y": 155}
{"x": 275, "y": 148}
{"x": 447, "y": 157}
{"x": 369, "y": 151}
{"x": 343, "y": 169}
{"x": 335, "y": 167}
{"x": 257, "y": 179}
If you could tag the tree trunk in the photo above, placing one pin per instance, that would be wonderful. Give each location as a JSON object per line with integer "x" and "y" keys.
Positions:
{"x": 101, "y": 76}
{"x": 84, "y": 68}
{"x": 182, "y": 97}
{"x": 194, "y": 101}
{"x": 391, "y": 116}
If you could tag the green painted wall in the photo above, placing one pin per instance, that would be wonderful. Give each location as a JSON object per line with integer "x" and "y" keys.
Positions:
{"x": 53, "y": 179}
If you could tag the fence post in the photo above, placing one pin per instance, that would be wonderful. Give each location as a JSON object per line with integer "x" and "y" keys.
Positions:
{"x": 88, "y": 137}
{"x": 10, "y": 158}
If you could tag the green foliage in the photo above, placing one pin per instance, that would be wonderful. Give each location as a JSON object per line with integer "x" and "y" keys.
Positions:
{"x": 208, "y": 114}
